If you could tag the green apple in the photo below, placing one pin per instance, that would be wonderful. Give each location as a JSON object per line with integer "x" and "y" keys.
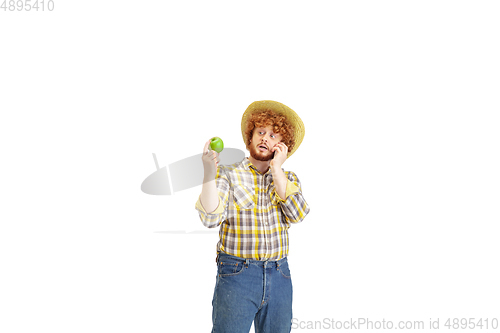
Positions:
{"x": 216, "y": 144}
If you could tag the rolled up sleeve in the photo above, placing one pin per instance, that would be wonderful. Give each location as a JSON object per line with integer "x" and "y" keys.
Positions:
{"x": 294, "y": 207}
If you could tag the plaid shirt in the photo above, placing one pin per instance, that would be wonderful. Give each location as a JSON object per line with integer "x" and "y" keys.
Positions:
{"x": 253, "y": 219}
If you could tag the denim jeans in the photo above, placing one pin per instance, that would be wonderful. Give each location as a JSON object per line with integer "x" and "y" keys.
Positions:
{"x": 252, "y": 290}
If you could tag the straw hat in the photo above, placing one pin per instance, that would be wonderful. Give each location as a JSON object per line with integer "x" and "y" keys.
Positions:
{"x": 281, "y": 109}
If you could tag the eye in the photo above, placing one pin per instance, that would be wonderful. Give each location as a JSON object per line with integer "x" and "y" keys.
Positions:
{"x": 273, "y": 136}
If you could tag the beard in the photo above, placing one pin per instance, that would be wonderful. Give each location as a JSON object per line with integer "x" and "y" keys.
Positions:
{"x": 260, "y": 155}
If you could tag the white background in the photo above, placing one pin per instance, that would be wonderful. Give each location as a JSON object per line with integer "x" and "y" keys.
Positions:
{"x": 399, "y": 163}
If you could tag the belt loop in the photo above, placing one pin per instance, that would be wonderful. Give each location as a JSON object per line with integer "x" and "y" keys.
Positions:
{"x": 217, "y": 258}
{"x": 246, "y": 263}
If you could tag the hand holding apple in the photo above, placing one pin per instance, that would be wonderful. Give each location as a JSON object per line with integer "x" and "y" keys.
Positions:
{"x": 210, "y": 160}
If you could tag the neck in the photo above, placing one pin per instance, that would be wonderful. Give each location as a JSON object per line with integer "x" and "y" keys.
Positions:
{"x": 262, "y": 166}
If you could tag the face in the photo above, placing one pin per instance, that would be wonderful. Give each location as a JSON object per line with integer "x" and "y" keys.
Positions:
{"x": 263, "y": 141}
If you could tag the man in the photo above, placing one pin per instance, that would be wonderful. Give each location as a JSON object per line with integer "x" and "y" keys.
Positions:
{"x": 254, "y": 202}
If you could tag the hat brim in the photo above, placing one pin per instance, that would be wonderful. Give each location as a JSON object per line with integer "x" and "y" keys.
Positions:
{"x": 281, "y": 109}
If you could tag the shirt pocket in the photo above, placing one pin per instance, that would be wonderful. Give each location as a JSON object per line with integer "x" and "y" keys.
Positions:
{"x": 244, "y": 198}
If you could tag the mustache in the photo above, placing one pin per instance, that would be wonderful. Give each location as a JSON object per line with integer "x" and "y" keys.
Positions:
{"x": 260, "y": 156}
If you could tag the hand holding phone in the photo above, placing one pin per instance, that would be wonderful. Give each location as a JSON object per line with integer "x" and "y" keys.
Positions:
{"x": 280, "y": 154}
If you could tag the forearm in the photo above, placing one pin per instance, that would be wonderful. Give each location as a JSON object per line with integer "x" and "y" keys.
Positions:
{"x": 209, "y": 195}
{"x": 280, "y": 182}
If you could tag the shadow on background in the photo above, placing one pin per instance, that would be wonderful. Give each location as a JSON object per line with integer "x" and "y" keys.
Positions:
{"x": 185, "y": 173}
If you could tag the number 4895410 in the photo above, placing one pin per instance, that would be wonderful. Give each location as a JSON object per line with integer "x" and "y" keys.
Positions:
{"x": 471, "y": 323}
{"x": 27, "y": 5}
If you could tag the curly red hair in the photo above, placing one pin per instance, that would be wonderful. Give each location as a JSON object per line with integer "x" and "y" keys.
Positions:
{"x": 280, "y": 124}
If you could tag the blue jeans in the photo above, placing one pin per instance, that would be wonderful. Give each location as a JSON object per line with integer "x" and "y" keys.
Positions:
{"x": 252, "y": 290}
